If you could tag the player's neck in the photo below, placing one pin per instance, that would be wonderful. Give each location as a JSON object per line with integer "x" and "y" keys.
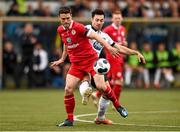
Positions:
{"x": 116, "y": 26}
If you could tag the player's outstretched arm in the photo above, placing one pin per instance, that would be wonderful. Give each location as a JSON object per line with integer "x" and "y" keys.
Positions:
{"x": 62, "y": 59}
{"x": 128, "y": 51}
{"x": 112, "y": 50}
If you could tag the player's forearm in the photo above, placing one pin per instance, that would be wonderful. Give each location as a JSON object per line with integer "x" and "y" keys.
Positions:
{"x": 64, "y": 54}
{"x": 94, "y": 35}
{"x": 125, "y": 50}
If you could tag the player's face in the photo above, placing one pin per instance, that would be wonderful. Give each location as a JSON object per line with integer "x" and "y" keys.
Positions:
{"x": 65, "y": 19}
{"x": 97, "y": 21}
{"x": 117, "y": 19}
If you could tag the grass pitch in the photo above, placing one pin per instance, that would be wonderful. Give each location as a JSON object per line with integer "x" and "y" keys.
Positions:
{"x": 41, "y": 110}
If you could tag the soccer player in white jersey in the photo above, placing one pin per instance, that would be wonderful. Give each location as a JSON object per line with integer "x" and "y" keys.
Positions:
{"x": 85, "y": 89}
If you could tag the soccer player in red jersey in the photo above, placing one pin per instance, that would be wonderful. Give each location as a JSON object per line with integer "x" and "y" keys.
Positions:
{"x": 82, "y": 57}
{"x": 117, "y": 32}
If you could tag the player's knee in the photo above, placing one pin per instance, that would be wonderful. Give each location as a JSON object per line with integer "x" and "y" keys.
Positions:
{"x": 68, "y": 90}
{"x": 100, "y": 86}
{"x": 118, "y": 82}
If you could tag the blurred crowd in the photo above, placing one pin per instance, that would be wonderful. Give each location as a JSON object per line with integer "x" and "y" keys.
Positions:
{"x": 31, "y": 62}
{"x": 82, "y": 8}
{"x": 28, "y": 48}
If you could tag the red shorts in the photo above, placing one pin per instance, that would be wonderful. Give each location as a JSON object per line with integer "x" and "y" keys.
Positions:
{"x": 116, "y": 71}
{"x": 80, "y": 69}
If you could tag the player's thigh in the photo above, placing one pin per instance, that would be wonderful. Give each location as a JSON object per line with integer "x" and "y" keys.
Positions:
{"x": 99, "y": 81}
{"x": 71, "y": 83}
{"x": 87, "y": 77}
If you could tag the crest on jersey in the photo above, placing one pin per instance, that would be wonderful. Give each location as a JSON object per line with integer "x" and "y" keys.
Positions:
{"x": 73, "y": 32}
{"x": 68, "y": 40}
{"x": 122, "y": 33}
{"x": 114, "y": 34}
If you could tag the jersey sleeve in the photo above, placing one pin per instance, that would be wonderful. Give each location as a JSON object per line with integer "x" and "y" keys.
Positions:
{"x": 82, "y": 29}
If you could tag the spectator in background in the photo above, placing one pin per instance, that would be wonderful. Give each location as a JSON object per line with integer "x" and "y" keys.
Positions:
{"x": 168, "y": 9}
{"x": 78, "y": 8}
{"x": 178, "y": 6}
{"x": 9, "y": 63}
{"x": 61, "y": 3}
{"x": 176, "y": 58}
{"x": 57, "y": 78}
{"x": 39, "y": 11}
{"x": 148, "y": 68}
{"x": 131, "y": 9}
{"x": 22, "y": 8}
{"x": 132, "y": 66}
{"x": 47, "y": 11}
{"x": 27, "y": 42}
{"x": 147, "y": 10}
{"x": 40, "y": 63}
{"x": 162, "y": 58}
{"x": 13, "y": 11}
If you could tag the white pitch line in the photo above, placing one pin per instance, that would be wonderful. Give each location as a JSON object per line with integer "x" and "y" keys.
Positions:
{"x": 130, "y": 124}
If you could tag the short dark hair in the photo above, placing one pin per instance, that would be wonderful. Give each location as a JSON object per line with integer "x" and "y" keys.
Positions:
{"x": 97, "y": 12}
{"x": 64, "y": 10}
{"x": 116, "y": 12}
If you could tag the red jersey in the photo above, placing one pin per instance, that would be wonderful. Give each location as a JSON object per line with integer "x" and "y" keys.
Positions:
{"x": 78, "y": 45}
{"x": 118, "y": 36}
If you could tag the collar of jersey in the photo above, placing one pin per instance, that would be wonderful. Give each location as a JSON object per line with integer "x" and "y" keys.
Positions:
{"x": 115, "y": 26}
{"x": 94, "y": 28}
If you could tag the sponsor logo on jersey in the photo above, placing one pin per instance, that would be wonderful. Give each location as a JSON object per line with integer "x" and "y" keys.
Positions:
{"x": 72, "y": 46}
{"x": 68, "y": 40}
{"x": 97, "y": 45}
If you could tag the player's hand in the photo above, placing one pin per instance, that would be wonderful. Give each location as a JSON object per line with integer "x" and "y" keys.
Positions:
{"x": 56, "y": 63}
{"x": 114, "y": 51}
{"x": 141, "y": 58}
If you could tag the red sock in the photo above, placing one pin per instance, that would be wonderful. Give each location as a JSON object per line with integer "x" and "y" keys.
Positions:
{"x": 111, "y": 96}
{"x": 98, "y": 94}
{"x": 69, "y": 102}
{"x": 117, "y": 90}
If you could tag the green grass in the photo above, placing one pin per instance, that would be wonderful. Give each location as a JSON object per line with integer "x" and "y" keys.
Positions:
{"x": 26, "y": 110}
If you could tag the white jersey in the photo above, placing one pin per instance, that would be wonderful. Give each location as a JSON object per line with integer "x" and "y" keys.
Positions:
{"x": 96, "y": 45}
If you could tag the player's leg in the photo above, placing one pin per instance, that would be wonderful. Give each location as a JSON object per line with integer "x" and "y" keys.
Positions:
{"x": 117, "y": 78}
{"x": 108, "y": 93}
{"x": 69, "y": 100}
{"x": 95, "y": 95}
{"x": 102, "y": 108}
{"x": 85, "y": 89}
